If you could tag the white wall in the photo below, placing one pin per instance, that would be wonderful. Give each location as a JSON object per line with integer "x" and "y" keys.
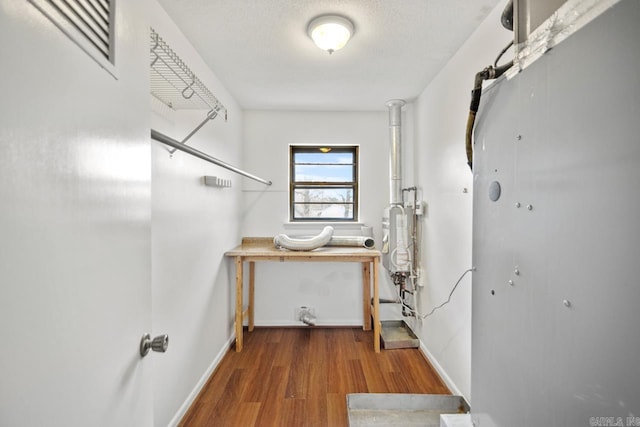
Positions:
{"x": 440, "y": 162}
{"x": 192, "y": 226}
{"x": 75, "y": 225}
{"x": 334, "y": 290}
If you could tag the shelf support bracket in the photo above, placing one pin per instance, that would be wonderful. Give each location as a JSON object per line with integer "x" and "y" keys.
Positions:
{"x": 210, "y": 116}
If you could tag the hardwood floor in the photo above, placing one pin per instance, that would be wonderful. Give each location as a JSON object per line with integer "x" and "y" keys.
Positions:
{"x": 301, "y": 376}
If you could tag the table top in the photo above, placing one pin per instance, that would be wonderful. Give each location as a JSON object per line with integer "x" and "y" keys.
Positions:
{"x": 262, "y": 248}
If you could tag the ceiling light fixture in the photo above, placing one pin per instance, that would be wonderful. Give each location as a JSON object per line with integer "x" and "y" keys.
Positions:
{"x": 330, "y": 32}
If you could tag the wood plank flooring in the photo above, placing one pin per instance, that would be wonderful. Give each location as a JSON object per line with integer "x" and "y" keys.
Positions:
{"x": 300, "y": 377}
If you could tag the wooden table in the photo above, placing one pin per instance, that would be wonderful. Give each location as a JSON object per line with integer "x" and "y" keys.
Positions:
{"x": 255, "y": 249}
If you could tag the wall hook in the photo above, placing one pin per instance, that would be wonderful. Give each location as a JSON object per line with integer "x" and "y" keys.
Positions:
{"x": 189, "y": 87}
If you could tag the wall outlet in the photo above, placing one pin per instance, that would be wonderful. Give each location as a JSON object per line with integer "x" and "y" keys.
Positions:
{"x": 419, "y": 278}
{"x": 420, "y": 208}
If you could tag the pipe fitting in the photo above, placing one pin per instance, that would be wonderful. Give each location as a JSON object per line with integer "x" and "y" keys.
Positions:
{"x": 307, "y": 318}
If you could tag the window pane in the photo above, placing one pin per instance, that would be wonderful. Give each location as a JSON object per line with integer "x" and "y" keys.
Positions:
{"x": 323, "y": 195}
{"x": 330, "y": 157}
{"x": 335, "y": 210}
{"x": 323, "y": 183}
{"x": 323, "y": 173}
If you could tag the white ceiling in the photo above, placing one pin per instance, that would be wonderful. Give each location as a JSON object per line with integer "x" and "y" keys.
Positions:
{"x": 260, "y": 49}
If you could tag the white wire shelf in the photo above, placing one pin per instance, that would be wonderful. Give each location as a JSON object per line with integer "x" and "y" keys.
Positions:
{"x": 174, "y": 84}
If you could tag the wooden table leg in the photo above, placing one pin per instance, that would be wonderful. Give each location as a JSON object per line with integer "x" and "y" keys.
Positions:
{"x": 239, "y": 293}
{"x": 252, "y": 280}
{"x": 376, "y": 309}
{"x": 366, "y": 296}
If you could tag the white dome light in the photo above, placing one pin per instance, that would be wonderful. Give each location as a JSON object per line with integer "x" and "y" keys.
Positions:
{"x": 330, "y": 32}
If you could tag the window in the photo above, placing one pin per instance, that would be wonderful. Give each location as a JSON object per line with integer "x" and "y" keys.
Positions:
{"x": 323, "y": 183}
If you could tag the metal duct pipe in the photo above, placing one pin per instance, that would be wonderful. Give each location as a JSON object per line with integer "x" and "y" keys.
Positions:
{"x": 362, "y": 241}
{"x": 395, "y": 151}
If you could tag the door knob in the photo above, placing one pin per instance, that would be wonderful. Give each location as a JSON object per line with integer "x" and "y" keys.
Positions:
{"x": 159, "y": 344}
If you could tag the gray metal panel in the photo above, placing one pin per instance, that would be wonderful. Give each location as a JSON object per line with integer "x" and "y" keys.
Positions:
{"x": 536, "y": 361}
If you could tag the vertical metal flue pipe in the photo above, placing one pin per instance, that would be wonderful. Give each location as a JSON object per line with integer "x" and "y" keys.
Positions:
{"x": 395, "y": 151}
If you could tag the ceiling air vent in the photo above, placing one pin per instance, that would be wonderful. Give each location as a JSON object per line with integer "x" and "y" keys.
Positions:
{"x": 89, "y": 23}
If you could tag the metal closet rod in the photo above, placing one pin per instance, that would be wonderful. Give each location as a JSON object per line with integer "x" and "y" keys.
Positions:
{"x": 167, "y": 140}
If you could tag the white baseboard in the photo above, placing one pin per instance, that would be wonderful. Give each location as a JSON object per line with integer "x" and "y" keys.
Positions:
{"x": 203, "y": 380}
{"x": 440, "y": 370}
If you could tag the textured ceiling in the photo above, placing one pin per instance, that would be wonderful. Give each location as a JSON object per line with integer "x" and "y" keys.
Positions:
{"x": 261, "y": 51}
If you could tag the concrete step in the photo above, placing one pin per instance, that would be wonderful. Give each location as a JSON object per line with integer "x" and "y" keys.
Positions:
{"x": 385, "y": 409}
